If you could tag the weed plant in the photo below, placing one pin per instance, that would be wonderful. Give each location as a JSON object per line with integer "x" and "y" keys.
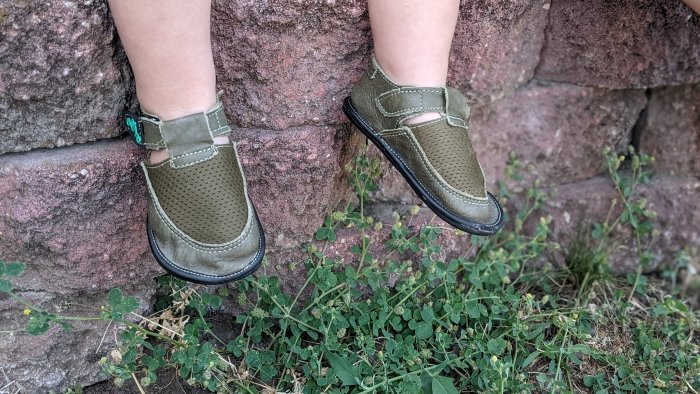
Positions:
{"x": 501, "y": 319}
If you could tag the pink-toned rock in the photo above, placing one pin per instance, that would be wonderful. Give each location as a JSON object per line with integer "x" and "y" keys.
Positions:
{"x": 560, "y": 129}
{"x": 496, "y": 47}
{"x": 574, "y": 208}
{"x": 674, "y": 199}
{"x": 291, "y": 63}
{"x": 59, "y": 360}
{"x": 62, "y": 78}
{"x": 621, "y": 44}
{"x": 288, "y": 63}
{"x": 672, "y": 130}
{"x": 581, "y": 204}
{"x": 76, "y": 217}
{"x": 295, "y": 178}
{"x": 288, "y": 263}
{"x": 392, "y": 186}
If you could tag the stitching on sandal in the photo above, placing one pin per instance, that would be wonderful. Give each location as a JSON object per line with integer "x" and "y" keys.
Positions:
{"x": 191, "y": 153}
{"x": 186, "y": 238}
{"x": 214, "y": 153}
{"x": 467, "y": 199}
{"x": 177, "y": 231}
{"x": 384, "y": 96}
{"x": 254, "y": 260}
{"x": 245, "y": 235}
{"x": 396, "y": 154}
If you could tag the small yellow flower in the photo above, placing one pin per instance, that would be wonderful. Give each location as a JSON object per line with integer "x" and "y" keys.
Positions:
{"x": 494, "y": 359}
{"x": 27, "y": 312}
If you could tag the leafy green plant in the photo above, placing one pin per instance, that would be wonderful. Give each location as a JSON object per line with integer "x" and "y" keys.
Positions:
{"x": 403, "y": 315}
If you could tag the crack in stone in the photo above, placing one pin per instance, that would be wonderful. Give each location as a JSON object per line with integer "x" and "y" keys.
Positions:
{"x": 641, "y": 123}
{"x": 548, "y": 5}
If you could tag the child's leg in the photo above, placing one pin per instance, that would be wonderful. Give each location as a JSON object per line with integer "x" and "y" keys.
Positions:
{"x": 169, "y": 49}
{"x": 202, "y": 226}
{"x": 412, "y": 40}
{"x": 694, "y": 4}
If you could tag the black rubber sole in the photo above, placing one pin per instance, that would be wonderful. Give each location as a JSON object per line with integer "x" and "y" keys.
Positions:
{"x": 470, "y": 226}
{"x": 206, "y": 279}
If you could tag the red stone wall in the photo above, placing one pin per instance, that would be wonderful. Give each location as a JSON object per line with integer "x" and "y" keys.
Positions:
{"x": 553, "y": 82}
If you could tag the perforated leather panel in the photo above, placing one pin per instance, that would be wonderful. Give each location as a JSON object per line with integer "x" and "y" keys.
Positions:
{"x": 450, "y": 151}
{"x": 207, "y": 200}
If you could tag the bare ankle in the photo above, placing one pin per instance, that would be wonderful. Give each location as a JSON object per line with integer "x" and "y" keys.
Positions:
{"x": 161, "y": 155}
{"x": 158, "y": 156}
{"x": 424, "y": 117}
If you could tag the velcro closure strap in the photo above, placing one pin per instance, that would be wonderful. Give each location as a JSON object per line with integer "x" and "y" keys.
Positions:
{"x": 189, "y": 140}
{"x": 407, "y": 101}
{"x": 154, "y": 128}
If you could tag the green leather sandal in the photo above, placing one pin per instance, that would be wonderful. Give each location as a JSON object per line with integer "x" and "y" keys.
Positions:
{"x": 202, "y": 226}
{"x": 436, "y": 157}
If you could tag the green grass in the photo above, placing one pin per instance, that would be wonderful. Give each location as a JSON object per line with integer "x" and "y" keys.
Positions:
{"x": 500, "y": 320}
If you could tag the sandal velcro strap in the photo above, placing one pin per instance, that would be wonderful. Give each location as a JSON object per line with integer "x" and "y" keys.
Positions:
{"x": 147, "y": 130}
{"x": 407, "y": 101}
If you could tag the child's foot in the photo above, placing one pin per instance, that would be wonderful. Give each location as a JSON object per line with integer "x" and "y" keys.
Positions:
{"x": 202, "y": 226}
{"x": 433, "y": 153}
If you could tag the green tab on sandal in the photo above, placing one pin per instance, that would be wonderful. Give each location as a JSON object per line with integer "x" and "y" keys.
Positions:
{"x": 134, "y": 126}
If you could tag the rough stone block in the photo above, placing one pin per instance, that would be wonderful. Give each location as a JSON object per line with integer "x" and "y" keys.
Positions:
{"x": 295, "y": 178}
{"x": 281, "y": 64}
{"x": 287, "y": 262}
{"x": 496, "y": 47}
{"x": 288, "y": 63}
{"x": 672, "y": 130}
{"x": 560, "y": 129}
{"x": 574, "y": 208}
{"x": 291, "y": 63}
{"x": 674, "y": 199}
{"x": 76, "y": 217}
{"x": 63, "y": 80}
{"x": 621, "y": 44}
{"x": 58, "y": 360}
